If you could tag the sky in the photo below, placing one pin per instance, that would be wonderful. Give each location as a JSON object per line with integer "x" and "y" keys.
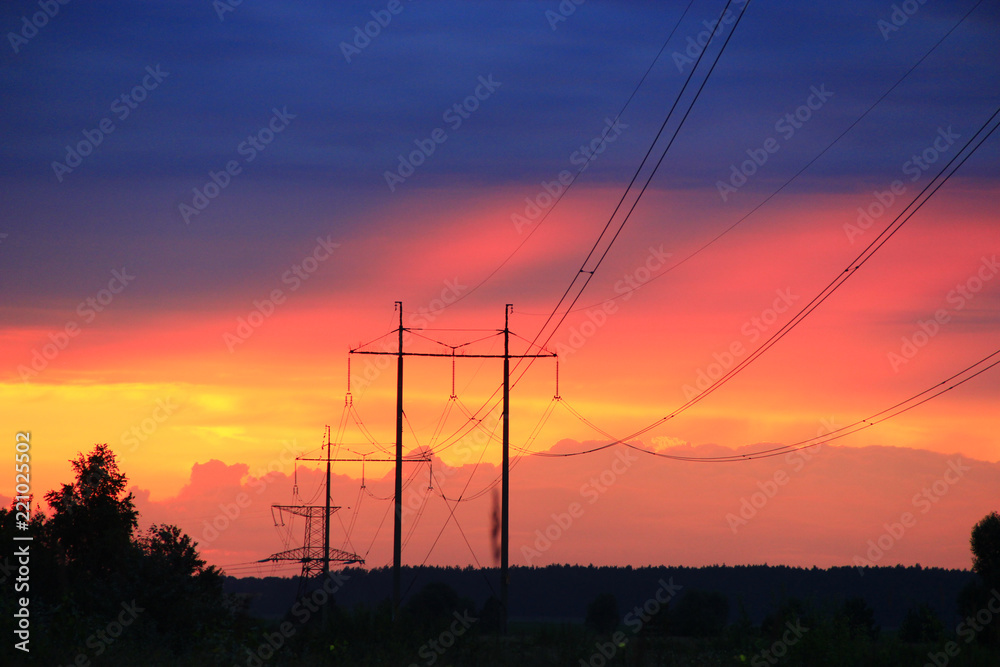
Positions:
{"x": 206, "y": 205}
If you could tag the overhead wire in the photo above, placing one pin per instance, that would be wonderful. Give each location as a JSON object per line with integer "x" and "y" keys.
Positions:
{"x": 876, "y": 244}
{"x": 937, "y": 389}
{"x": 346, "y": 533}
{"x": 583, "y": 167}
{"x": 942, "y": 176}
{"x": 589, "y": 273}
{"x": 655, "y": 141}
{"x": 626, "y": 293}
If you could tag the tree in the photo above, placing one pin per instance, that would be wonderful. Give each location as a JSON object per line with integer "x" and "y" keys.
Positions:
{"x": 602, "y": 614}
{"x": 434, "y": 606}
{"x": 491, "y": 615}
{"x": 792, "y": 610}
{"x": 103, "y": 565}
{"x": 178, "y": 591}
{"x": 859, "y": 618}
{"x": 921, "y": 625}
{"x": 985, "y": 543}
{"x": 93, "y": 525}
{"x": 701, "y": 614}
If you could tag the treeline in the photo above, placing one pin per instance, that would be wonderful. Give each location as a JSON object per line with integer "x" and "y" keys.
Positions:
{"x": 562, "y": 592}
{"x": 756, "y": 615}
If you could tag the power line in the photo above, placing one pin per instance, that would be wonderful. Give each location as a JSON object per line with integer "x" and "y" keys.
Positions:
{"x": 583, "y": 271}
{"x": 635, "y": 176}
{"x": 582, "y": 168}
{"x": 866, "y": 254}
{"x": 899, "y": 408}
{"x": 794, "y": 176}
{"x": 917, "y": 203}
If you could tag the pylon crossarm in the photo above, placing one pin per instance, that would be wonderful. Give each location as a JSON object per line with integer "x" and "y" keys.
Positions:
{"x": 305, "y": 554}
{"x": 461, "y": 356}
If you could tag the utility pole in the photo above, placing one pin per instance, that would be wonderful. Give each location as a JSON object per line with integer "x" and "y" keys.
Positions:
{"x": 314, "y": 561}
{"x": 326, "y": 515}
{"x": 505, "y": 474}
{"x": 397, "y": 531}
{"x": 505, "y": 511}
{"x": 342, "y": 555}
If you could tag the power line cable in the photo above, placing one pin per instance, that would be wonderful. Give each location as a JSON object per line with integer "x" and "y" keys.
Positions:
{"x": 895, "y": 410}
{"x": 582, "y": 168}
{"x": 894, "y": 226}
{"x": 589, "y": 274}
{"x": 763, "y": 202}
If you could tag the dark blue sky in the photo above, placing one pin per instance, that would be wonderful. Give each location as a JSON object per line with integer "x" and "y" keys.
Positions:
{"x": 352, "y": 120}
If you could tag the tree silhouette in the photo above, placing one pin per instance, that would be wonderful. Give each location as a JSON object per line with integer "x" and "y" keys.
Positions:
{"x": 985, "y": 543}
{"x": 859, "y": 618}
{"x": 602, "y": 614}
{"x": 108, "y": 575}
{"x": 180, "y": 591}
{"x": 90, "y": 535}
{"x": 700, "y": 614}
{"x": 921, "y": 624}
{"x": 433, "y": 606}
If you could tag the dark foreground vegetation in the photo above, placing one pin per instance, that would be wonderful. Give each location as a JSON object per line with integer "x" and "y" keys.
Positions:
{"x": 102, "y": 593}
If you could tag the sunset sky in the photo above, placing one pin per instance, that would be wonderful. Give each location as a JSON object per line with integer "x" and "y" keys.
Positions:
{"x": 205, "y": 206}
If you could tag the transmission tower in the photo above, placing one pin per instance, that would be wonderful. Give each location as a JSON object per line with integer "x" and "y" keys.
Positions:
{"x": 315, "y": 554}
{"x": 311, "y": 554}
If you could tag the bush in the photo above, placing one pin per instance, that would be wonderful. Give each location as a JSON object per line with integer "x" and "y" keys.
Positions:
{"x": 700, "y": 614}
{"x": 921, "y": 625}
{"x": 602, "y": 614}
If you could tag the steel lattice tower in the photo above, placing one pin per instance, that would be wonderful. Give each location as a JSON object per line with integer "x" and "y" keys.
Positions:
{"x": 311, "y": 554}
